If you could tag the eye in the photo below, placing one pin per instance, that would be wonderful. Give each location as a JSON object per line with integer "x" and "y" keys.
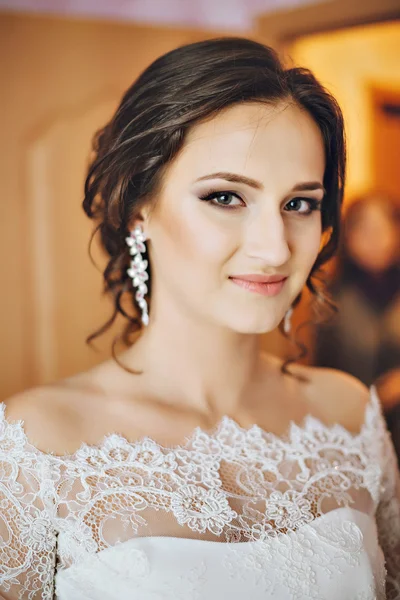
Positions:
{"x": 303, "y": 206}
{"x": 223, "y": 199}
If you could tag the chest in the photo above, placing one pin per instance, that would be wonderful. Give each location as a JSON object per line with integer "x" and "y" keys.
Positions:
{"x": 233, "y": 485}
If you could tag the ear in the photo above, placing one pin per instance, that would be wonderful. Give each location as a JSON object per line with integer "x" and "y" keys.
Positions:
{"x": 142, "y": 218}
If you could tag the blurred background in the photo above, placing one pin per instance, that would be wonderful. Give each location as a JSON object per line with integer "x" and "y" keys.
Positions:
{"x": 64, "y": 66}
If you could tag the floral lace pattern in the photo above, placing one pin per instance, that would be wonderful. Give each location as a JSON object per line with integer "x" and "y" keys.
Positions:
{"x": 296, "y": 563}
{"x": 231, "y": 485}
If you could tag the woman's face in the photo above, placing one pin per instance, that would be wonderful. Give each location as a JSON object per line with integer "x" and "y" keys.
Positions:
{"x": 241, "y": 198}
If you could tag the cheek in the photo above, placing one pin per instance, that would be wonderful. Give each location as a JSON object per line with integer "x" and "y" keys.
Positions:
{"x": 192, "y": 243}
{"x": 206, "y": 242}
{"x": 306, "y": 241}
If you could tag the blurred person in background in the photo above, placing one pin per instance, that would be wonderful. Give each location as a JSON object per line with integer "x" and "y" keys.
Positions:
{"x": 363, "y": 338}
{"x": 211, "y": 189}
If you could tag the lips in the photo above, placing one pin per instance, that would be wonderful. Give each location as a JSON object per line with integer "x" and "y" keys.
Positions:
{"x": 264, "y": 285}
{"x": 260, "y": 278}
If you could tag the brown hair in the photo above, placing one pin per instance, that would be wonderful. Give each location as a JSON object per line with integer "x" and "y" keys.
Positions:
{"x": 178, "y": 90}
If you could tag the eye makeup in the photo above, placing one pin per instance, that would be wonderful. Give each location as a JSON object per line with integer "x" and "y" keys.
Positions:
{"x": 227, "y": 197}
{"x": 224, "y": 196}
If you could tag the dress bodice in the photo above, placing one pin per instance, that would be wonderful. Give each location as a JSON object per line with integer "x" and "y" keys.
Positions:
{"x": 312, "y": 514}
{"x": 334, "y": 557}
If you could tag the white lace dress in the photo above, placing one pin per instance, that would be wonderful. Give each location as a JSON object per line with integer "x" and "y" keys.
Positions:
{"x": 232, "y": 514}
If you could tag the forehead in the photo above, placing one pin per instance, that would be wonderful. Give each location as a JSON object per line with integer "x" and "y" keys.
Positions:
{"x": 257, "y": 139}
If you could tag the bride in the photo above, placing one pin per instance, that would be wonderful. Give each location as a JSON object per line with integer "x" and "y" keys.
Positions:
{"x": 192, "y": 465}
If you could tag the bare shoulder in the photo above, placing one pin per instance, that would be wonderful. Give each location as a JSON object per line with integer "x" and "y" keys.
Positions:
{"x": 51, "y": 417}
{"x": 341, "y": 397}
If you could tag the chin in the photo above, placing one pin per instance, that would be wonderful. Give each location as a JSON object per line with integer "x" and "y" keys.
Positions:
{"x": 254, "y": 324}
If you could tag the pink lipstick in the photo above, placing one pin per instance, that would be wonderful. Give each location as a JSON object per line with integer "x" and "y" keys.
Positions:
{"x": 261, "y": 284}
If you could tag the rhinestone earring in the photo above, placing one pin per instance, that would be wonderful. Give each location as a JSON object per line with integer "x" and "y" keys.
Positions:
{"x": 137, "y": 270}
{"x": 287, "y": 324}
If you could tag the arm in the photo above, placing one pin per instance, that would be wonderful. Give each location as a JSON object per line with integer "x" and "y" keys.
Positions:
{"x": 27, "y": 537}
{"x": 388, "y": 512}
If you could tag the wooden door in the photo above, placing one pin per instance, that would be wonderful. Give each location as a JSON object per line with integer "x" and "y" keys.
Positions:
{"x": 385, "y": 146}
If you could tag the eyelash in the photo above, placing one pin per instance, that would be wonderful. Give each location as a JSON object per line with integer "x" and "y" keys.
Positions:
{"x": 210, "y": 196}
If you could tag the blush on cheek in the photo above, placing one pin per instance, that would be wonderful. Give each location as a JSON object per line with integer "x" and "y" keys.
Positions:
{"x": 203, "y": 238}
{"x": 189, "y": 247}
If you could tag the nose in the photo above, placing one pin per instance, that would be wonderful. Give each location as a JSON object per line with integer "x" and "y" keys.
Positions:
{"x": 266, "y": 239}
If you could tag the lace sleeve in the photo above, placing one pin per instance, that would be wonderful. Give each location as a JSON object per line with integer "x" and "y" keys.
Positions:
{"x": 388, "y": 512}
{"x": 27, "y": 537}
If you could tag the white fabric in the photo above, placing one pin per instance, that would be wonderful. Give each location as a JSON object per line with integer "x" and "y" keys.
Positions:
{"x": 234, "y": 513}
{"x": 335, "y": 557}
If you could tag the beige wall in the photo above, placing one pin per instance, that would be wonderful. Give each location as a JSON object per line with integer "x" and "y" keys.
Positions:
{"x": 61, "y": 79}
{"x": 349, "y": 63}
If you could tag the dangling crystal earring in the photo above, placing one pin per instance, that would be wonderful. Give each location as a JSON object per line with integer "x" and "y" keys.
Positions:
{"x": 287, "y": 321}
{"x": 137, "y": 270}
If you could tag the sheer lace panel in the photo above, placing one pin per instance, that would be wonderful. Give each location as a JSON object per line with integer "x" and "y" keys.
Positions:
{"x": 231, "y": 485}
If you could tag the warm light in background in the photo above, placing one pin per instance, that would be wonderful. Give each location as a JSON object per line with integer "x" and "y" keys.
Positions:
{"x": 352, "y": 64}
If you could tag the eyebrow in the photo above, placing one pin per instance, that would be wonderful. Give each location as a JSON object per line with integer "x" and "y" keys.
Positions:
{"x": 235, "y": 178}
{"x": 309, "y": 186}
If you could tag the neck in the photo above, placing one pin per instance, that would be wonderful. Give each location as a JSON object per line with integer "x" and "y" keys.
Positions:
{"x": 196, "y": 366}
